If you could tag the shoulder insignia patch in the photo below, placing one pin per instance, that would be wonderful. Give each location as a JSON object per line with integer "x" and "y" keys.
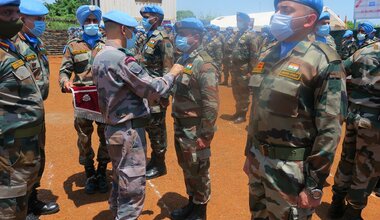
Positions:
{"x": 76, "y": 52}
{"x": 188, "y": 69}
{"x": 151, "y": 43}
{"x": 30, "y": 57}
{"x": 259, "y": 68}
{"x": 291, "y": 72}
{"x": 17, "y": 64}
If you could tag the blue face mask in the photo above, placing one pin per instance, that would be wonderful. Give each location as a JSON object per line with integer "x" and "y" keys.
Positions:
{"x": 39, "y": 28}
{"x": 281, "y": 26}
{"x": 181, "y": 44}
{"x": 323, "y": 30}
{"x": 91, "y": 29}
{"x": 360, "y": 36}
{"x": 131, "y": 41}
{"x": 146, "y": 24}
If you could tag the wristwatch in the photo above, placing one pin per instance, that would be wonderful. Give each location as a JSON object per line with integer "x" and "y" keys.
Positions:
{"x": 315, "y": 193}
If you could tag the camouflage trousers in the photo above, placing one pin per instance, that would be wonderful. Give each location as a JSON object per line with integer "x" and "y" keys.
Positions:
{"x": 240, "y": 91}
{"x": 19, "y": 167}
{"x": 127, "y": 149}
{"x": 359, "y": 168}
{"x": 274, "y": 186}
{"x": 41, "y": 143}
{"x": 226, "y": 69}
{"x": 156, "y": 130}
{"x": 84, "y": 130}
{"x": 195, "y": 163}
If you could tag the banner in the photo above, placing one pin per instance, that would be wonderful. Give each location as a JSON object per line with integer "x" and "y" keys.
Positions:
{"x": 85, "y": 100}
{"x": 367, "y": 9}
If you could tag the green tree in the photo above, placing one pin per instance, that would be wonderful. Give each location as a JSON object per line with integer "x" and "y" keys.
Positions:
{"x": 65, "y": 9}
{"x": 350, "y": 25}
{"x": 181, "y": 14}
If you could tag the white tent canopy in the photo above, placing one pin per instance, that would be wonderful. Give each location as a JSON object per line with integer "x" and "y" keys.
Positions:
{"x": 263, "y": 18}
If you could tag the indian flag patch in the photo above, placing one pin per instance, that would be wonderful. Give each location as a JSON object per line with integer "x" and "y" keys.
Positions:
{"x": 188, "y": 68}
{"x": 293, "y": 67}
{"x": 151, "y": 43}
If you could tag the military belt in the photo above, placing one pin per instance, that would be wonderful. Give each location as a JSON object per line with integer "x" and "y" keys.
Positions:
{"x": 365, "y": 109}
{"x": 283, "y": 153}
{"x": 25, "y": 132}
{"x": 188, "y": 122}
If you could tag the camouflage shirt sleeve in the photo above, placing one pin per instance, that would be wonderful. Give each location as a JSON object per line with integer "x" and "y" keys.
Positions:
{"x": 208, "y": 85}
{"x": 67, "y": 66}
{"x": 143, "y": 85}
{"x": 167, "y": 54}
{"x": 330, "y": 111}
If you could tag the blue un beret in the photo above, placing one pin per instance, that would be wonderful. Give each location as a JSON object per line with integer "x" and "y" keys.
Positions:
{"x": 243, "y": 16}
{"x": 348, "y": 33}
{"x": 86, "y": 10}
{"x": 317, "y": 5}
{"x": 33, "y": 8}
{"x": 367, "y": 27}
{"x": 120, "y": 18}
{"x": 324, "y": 16}
{"x": 9, "y": 2}
{"x": 189, "y": 23}
{"x": 152, "y": 9}
{"x": 215, "y": 27}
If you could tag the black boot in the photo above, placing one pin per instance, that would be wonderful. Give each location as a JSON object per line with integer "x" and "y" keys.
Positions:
{"x": 91, "y": 183}
{"x": 337, "y": 207}
{"x": 101, "y": 177}
{"x": 352, "y": 214}
{"x": 198, "y": 213}
{"x": 156, "y": 166}
{"x": 377, "y": 189}
{"x": 241, "y": 118}
{"x": 38, "y": 207}
{"x": 184, "y": 212}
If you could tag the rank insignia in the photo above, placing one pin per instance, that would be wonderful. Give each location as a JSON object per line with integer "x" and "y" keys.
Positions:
{"x": 259, "y": 68}
{"x": 30, "y": 57}
{"x": 15, "y": 65}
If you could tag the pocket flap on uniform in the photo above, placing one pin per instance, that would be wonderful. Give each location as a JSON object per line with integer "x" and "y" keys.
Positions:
{"x": 135, "y": 171}
{"x": 283, "y": 98}
{"x": 255, "y": 81}
{"x": 22, "y": 73}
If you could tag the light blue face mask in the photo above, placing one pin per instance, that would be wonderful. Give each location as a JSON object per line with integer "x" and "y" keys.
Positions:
{"x": 91, "y": 29}
{"x": 182, "y": 44}
{"x": 281, "y": 26}
{"x": 130, "y": 43}
{"x": 323, "y": 30}
{"x": 39, "y": 28}
{"x": 146, "y": 24}
{"x": 360, "y": 36}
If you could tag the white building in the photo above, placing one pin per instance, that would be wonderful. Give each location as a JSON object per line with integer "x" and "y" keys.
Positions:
{"x": 132, "y": 7}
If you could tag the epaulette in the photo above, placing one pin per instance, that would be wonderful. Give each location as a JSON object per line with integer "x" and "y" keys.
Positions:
{"x": 331, "y": 54}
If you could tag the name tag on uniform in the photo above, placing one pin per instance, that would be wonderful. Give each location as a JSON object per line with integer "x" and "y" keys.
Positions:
{"x": 259, "y": 68}
{"x": 30, "y": 57}
{"x": 291, "y": 72}
{"x": 76, "y": 52}
{"x": 151, "y": 43}
{"x": 188, "y": 69}
{"x": 17, "y": 64}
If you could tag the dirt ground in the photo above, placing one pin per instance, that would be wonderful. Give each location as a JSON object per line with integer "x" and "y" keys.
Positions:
{"x": 64, "y": 178}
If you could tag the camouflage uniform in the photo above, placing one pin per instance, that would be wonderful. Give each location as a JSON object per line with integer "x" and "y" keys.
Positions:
{"x": 244, "y": 57}
{"x": 157, "y": 58}
{"x": 298, "y": 108}
{"x": 359, "y": 167}
{"x": 22, "y": 119}
{"x": 122, "y": 84}
{"x": 348, "y": 48}
{"x": 215, "y": 49}
{"x": 331, "y": 42}
{"x": 227, "y": 57}
{"x": 195, "y": 110}
{"x": 78, "y": 58}
{"x": 36, "y": 55}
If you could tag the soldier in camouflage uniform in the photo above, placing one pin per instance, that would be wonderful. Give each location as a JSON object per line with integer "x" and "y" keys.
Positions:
{"x": 267, "y": 38}
{"x": 246, "y": 47}
{"x": 359, "y": 167}
{"x": 170, "y": 32}
{"x": 195, "y": 110}
{"x": 33, "y": 15}
{"x": 364, "y": 30}
{"x": 348, "y": 45}
{"x": 157, "y": 56}
{"x": 123, "y": 85}
{"x": 22, "y": 119}
{"x": 227, "y": 55}
{"x": 78, "y": 56}
{"x": 298, "y": 108}
{"x": 215, "y": 48}
{"x": 322, "y": 30}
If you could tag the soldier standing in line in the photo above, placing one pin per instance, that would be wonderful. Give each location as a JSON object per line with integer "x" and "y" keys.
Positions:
{"x": 22, "y": 119}
{"x": 215, "y": 48}
{"x": 123, "y": 86}
{"x": 348, "y": 45}
{"x": 298, "y": 108}
{"x": 33, "y": 15}
{"x": 359, "y": 167}
{"x": 157, "y": 56}
{"x": 195, "y": 110}
{"x": 322, "y": 30}
{"x": 78, "y": 57}
{"x": 364, "y": 31}
{"x": 246, "y": 47}
{"x": 227, "y": 55}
